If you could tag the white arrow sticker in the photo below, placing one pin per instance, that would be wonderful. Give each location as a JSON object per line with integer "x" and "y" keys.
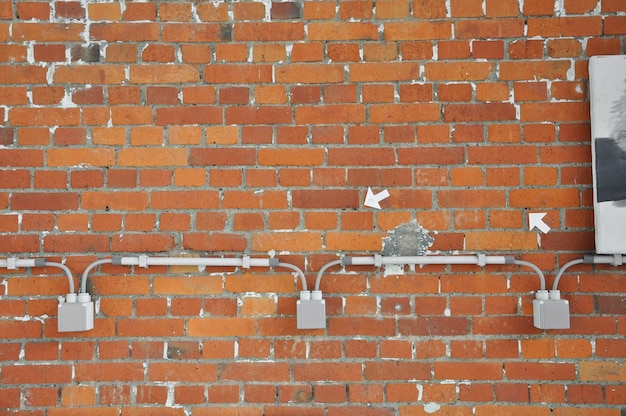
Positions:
{"x": 372, "y": 200}
{"x": 535, "y": 219}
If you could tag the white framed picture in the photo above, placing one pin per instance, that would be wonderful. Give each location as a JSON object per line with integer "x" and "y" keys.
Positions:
{"x": 607, "y": 85}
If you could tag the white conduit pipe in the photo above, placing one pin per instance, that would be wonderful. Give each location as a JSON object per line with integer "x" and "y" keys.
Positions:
{"x": 67, "y": 271}
{"x": 479, "y": 260}
{"x": 14, "y": 263}
{"x": 146, "y": 261}
{"x": 537, "y": 270}
{"x": 555, "y": 285}
{"x": 297, "y": 270}
{"x": 614, "y": 260}
{"x": 318, "y": 280}
{"x": 83, "y": 280}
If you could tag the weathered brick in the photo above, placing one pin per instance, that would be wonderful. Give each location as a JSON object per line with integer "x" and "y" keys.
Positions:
{"x": 124, "y": 32}
{"x": 336, "y": 31}
{"x": 269, "y": 31}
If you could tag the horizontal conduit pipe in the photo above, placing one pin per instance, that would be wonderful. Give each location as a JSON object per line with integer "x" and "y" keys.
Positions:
{"x": 146, "y": 261}
{"x": 479, "y": 260}
{"x": 14, "y": 263}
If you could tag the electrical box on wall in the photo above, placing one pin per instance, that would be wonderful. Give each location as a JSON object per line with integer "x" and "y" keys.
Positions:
{"x": 607, "y": 85}
{"x": 550, "y": 311}
{"x": 311, "y": 311}
{"x": 75, "y": 313}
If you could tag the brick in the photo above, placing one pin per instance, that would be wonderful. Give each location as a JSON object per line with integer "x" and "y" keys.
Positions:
{"x": 33, "y": 10}
{"x": 460, "y": 8}
{"x": 538, "y": 198}
{"x": 392, "y": 9}
{"x": 133, "y": 327}
{"x": 258, "y": 115}
{"x": 41, "y": 396}
{"x": 78, "y": 396}
{"x": 309, "y": 241}
{"x": 330, "y": 394}
{"x": 596, "y": 46}
{"x": 461, "y": 71}
{"x": 158, "y": 74}
{"x": 342, "y": 31}
{"x": 196, "y": 32}
{"x": 536, "y": 371}
{"x": 324, "y": 199}
{"x": 416, "y": 31}
{"x": 403, "y": 284}
{"x": 128, "y": 32}
{"x": 443, "y": 326}
{"x": 566, "y": 26}
{"x": 489, "y": 29}
{"x": 564, "y": 48}
{"x": 20, "y": 157}
{"x": 468, "y": 371}
{"x": 613, "y": 6}
{"x": 270, "y": 31}
{"x": 470, "y": 198}
{"x": 237, "y": 74}
{"x": 152, "y": 157}
{"x": 250, "y": 11}
{"x": 538, "y": 8}
{"x": 364, "y": 72}
{"x": 479, "y": 112}
{"x": 182, "y": 372}
{"x": 356, "y": 9}
{"x": 547, "y": 393}
{"x": 175, "y": 12}
{"x": 310, "y": 73}
{"x": 269, "y": 53}
{"x": 44, "y": 117}
{"x": 336, "y": 113}
{"x": 109, "y": 11}
{"x": 502, "y": 154}
{"x": 255, "y": 371}
{"x": 285, "y": 10}
{"x": 405, "y": 113}
{"x": 530, "y": 91}
{"x": 36, "y": 374}
{"x": 510, "y": 410}
{"x": 490, "y": 240}
{"x": 614, "y": 25}
{"x": 48, "y": 32}
{"x": 332, "y": 371}
{"x": 506, "y": 8}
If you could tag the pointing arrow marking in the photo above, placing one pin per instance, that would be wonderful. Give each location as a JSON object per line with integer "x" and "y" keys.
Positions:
{"x": 536, "y": 220}
{"x": 372, "y": 200}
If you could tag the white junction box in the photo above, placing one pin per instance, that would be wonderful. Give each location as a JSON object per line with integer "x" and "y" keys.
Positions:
{"x": 76, "y": 313}
{"x": 550, "y": 311}
{"x": 311, "y": 310}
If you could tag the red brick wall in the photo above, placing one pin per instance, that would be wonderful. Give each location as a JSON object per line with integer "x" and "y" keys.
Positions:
{"x": 250, "y": 127}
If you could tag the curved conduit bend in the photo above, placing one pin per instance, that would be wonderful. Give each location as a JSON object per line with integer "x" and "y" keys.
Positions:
{"x": 14, "y": 263}
{"x": 612, "y": 259}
